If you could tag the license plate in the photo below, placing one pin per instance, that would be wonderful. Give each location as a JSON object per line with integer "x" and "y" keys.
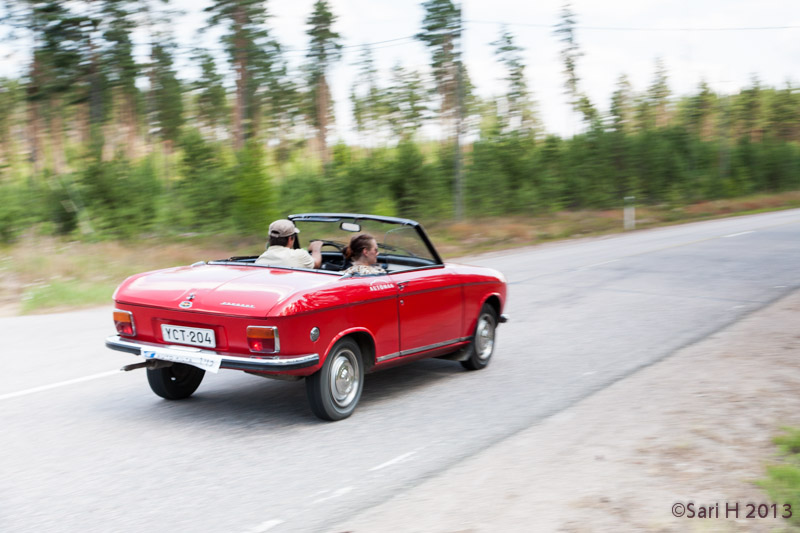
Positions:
{"x": 206, "y": 361}
{"x": 184, "y": 335}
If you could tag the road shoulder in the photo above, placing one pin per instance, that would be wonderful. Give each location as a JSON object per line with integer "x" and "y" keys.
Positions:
{"x": 695, "y": 427}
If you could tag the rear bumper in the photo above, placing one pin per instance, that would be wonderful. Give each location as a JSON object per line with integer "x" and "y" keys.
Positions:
{"x": 200, "y": 357}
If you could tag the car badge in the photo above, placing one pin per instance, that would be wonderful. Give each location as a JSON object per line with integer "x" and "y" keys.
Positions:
{"x": 191, "y": 296}
{"x": 185, "y": 304}
{"x": 235, "y": 304}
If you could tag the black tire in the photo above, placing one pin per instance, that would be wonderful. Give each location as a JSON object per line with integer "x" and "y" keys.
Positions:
{"x": 175, "y": 382}
{"x": 481, "y": 348}
{"x": 334, "y": 390}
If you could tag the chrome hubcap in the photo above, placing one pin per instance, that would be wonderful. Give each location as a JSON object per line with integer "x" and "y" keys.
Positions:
{"x": 344, "y": 378}
{"x": 484, "y": 337}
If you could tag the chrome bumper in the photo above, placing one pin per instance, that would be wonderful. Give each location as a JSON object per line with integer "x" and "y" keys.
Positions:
{"x": 187, "y": 353}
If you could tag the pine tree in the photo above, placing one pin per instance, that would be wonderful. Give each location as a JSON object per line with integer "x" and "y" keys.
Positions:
{"x": 569, "y": 55}
{"x": 519, "y": 116}
{"x": 324, "y": 50}
{"x": 442, "y": 35}
{"x": 245, "y": 22}
{"x": 121, "y": 69}
{"x": 167, "y": 94}
{"x": 406, "y": 102}
{"x": 367, "y": 98}
{"x": 211, "y": 100}
{"x": 621, "y": 105}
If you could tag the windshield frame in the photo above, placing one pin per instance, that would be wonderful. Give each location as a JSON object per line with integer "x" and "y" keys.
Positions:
{"x": 355, "y": 218}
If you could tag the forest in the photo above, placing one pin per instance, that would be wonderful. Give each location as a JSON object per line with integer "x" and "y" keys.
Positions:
{"x": 98, "y": 143}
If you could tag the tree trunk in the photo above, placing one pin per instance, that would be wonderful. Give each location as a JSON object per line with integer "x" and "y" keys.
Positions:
{"x": 34, "y": 118}
{"x": 132, "y": 141}
{"x": 322, "y": 119}
{"x": 57, "y": 137}
{"x": 241, "y": 79}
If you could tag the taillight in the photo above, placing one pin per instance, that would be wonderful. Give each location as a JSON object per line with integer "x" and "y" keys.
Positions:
{"x": 123, "y": 321}
{"x": 263, "y": 339}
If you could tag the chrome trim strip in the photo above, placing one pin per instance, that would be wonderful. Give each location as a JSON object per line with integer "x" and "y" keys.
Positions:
{"x": 395, "y": 355}
{"x": 271, "y": 362}
{"x": 386, "y": 357}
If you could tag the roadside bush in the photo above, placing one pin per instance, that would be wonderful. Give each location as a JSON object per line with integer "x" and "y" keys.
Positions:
{"x": 121, "y": 196}
{"x": 783, "y": 481}
{"x": 204, "y": 196}
{"x": 12, "y": 214}
{"x": 254, "y": 204}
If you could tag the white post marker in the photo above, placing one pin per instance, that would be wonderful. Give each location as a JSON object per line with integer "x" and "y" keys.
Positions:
{"x": 630, "y": 213}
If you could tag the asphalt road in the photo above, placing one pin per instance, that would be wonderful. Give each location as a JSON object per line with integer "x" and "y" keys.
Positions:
{"x": 87, "y": 448}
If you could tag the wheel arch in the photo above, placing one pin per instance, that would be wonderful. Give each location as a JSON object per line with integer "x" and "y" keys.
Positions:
{"x": 365, "y": 341}
{"x": 494, "y": 301}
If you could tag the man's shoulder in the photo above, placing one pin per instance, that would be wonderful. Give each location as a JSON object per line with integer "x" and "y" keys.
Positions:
{"x": 283, "y": 256}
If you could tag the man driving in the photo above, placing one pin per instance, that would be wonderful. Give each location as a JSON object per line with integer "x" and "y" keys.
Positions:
{"x": 280, "y": 248}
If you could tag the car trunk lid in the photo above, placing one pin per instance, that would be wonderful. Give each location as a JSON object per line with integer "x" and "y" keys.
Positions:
{"x": 224, "y": 289}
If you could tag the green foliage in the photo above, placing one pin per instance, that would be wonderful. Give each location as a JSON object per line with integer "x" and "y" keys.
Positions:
{"x": 203, "y": 194}
{"x": 80, "y": 95}
{"x": 325, "y": 46}
{"x": 254, "y": 206}
{"x": 783, "y": 480}
{"x": 570, "y": 54}
{"x": 12, "y": 213}
{"x": 166, "y": 93}
{"x": 409, "y": 185}
{"x": 211, "y": 104}
{"x": 120, "y": 197}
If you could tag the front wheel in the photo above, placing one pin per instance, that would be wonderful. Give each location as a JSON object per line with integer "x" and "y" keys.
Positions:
{"x": 482, "y": 347}
{"x": 333, "y": 391}
{"x": 175, "y": 382}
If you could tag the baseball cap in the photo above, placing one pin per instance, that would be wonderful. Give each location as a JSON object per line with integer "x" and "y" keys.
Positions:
{"x": 282, "y": 228}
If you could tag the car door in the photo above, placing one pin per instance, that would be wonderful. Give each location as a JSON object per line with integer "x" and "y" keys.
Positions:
{"x": 372, "y": 304}
{"x": 430, "y": 308}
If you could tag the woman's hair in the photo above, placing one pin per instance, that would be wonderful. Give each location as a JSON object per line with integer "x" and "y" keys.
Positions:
{"x": 357, "y": 245}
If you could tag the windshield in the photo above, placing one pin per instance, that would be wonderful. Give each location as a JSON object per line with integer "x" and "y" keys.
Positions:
{"x": 394, "y": 240}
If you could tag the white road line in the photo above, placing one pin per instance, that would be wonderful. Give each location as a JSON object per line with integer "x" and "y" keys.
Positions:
{"x": 597, "y": 264}
{"x": 737, "y": 234}
{"x": 398, "y": 459}
{"x": 57, "y": 385}
{"x": 336, "y": 494}
{"x": 265, "y": 526}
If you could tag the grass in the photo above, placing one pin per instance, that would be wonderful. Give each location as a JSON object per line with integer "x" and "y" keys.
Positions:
{"x": 69, "y": 294}
{"x": 783, "y": 480}
{"x": 44, "y": 274}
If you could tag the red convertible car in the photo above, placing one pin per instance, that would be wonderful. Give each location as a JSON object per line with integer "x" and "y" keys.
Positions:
{"x": 317, "y": 324}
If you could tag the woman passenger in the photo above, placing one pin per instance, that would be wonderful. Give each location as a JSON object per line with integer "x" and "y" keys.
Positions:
{"x": 363, "y": 252}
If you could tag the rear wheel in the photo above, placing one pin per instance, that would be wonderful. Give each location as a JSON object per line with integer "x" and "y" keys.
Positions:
{"x": 482, "y": 347}
{"x": 175, "y": 382}
{"x": 333, "y": 392}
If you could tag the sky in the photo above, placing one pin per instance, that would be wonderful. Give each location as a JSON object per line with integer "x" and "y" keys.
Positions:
{"x": 723, "y": 42}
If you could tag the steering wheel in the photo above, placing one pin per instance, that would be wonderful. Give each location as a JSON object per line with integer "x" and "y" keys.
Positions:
{"x": 339, "y": 246}
{"x": 332, "y": 263}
